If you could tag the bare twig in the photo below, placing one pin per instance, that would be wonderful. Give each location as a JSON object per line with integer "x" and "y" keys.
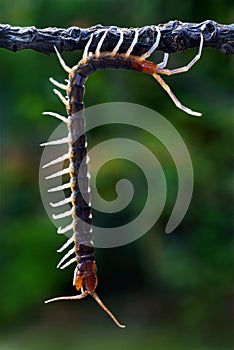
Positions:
{"x": 175, "y": 36}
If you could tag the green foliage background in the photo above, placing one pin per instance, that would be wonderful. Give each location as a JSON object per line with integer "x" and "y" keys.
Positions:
{"x": 173, "y": 291}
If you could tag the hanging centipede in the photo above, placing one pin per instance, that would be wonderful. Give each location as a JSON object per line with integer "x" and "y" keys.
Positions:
{"x": 85, "y": 274}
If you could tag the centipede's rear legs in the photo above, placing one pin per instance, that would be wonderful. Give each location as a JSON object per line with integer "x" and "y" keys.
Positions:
{"x": 160, "y": 70}
{"x": 156, "y": 70}
{"x": 184, "y": 68}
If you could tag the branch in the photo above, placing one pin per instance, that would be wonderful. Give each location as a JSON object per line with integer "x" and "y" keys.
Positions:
{"x": 175, "y": 36}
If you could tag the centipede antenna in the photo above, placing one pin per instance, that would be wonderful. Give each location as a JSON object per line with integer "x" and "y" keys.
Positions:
{"x": 131, "y": 47}
{"x": 100, "y": 303}
{"x": 153, "y": 47}
{"x": 74, "y": 297}
{"x": 63, "y": 64}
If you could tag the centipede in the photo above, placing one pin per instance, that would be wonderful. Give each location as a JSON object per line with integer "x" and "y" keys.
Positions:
{"x": 85, "y": 275}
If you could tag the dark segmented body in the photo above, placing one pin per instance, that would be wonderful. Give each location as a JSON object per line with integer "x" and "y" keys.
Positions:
{"x": 81, "y": 197}
{"x": 82, "y": 221}
{"x": 85, "y": 275}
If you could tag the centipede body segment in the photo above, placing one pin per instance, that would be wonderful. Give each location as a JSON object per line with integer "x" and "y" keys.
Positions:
{"x": 85, "y": 275}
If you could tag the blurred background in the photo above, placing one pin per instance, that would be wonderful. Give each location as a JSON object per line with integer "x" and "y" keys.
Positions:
{"x": 172, "y": 291}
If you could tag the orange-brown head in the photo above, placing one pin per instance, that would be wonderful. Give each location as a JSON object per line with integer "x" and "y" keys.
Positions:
{"x": 85, "y": 277}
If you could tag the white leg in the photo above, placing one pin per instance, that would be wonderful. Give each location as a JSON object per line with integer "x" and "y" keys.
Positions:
{"x": 65, "y": 245}
{"x": 57, "y": 160}
{"x": 173, "y": 97}
{"x": 59, "y": 173}
{"x": 62, "y": 98}
{"x": 68, "y": 263}
{"x": 153, "y": 47}
{"x": 56, "y": 115}
{"x": 55, "y": 142}
{"x": 86, "y": 50}
{"x": 119, "y": 43}
{"x": 56, "y": 83}
{"x": 74, "y": 276}
{"x": 64, "y": 201}
{"x": 65, "y": 229}
{"x": 60, "y": 188}
{"x": 97, "y": 51}
{"x": 69, "y": 253}
{"x": 164, "y": 61}
{"x": 62, "y": 215}
{"x": 185, "y": 68}
{"x": 131, "y": 47}
{"x": 63, "y": 64}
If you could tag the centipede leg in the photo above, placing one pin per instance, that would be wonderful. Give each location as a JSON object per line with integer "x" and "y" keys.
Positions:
{"x": 119, "y": 43}
{"x": 131, "y": 47}
{"x": 62, "y": 202}
{"x": 56, "y": 83}
{"x": 183, "y": 69}
{"x": 69, "y": 253}
{"x": 164, "y": 61}
{"x": 97, "y": 51}
{"x": 60, "y": 188}
{"x": 173, "y": 97}
{"x": 65, "y": 229}
{"x": 63, "y": 64}
{"x": 68, "y": 263}
{"x": 62, "y": 215}
{"x": 86, "y": 50}
{"x": 153, "y": 47}
{"x": 59, "y": 173}
{"x": 55, "y": 142}
{"x": 56, "y": 115}
{"x": 62, "y": 98}
{"x": 57, "y": 160}
{"x": 66, "y": 244}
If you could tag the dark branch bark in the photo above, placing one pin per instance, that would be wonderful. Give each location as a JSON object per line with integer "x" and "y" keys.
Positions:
{"x": 175, "y": 36}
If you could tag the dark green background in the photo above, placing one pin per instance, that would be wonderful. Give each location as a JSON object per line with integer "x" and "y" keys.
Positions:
{"x": 173, "y": 291}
